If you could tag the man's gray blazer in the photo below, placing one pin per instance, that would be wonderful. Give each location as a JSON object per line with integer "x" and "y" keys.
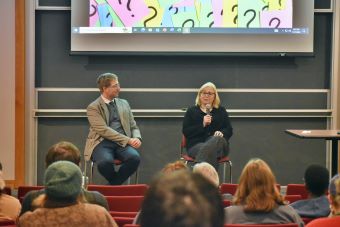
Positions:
{"x": 98, "y": 117}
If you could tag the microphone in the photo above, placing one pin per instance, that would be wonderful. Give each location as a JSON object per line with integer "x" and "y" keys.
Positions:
{"x": 208, "y": 109}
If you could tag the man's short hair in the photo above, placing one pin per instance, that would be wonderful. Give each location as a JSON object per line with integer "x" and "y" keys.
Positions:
{"x": 63, "y": 151}
{"x": 317, "y": 179}
{"x": 182, "y": 199}
{"x": 104, "y": 80}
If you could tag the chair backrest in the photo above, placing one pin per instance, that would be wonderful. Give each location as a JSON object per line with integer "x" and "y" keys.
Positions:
{"x": 231, "y": 188}
{"x": 262, "y": 225}
{"x": 23, "y": 190}
{"x": 122, "y": 221}
{"x": 297, "y": 189}
{"x": 307, "y": 220}
{"x": 7, "y": 223}
{"x": 123, "y": 214}
{"x": 7, "y": 190}
{"x": 293, "y": 198}
{"x": 227, "y": 188}
{"x": 120, "y": 190}
{"x": 124, "y": 203}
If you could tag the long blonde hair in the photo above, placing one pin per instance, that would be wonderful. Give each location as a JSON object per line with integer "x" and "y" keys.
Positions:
{"x": 334, "y": 194}
{"x": 257, "y": 189}
{"x": 216, "y": 102}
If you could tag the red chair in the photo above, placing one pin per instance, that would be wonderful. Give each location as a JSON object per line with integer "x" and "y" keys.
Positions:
{"x": 124, "y": 203}
{"x": 7, "y": 190}
{"x": 117, "y": 162}
{"x": 226, "y": 203}
{"x": 23, "y": 190}
{"x": 307, "y": 220}
{"x": 119, "y": 190}
{"x": 222, "y": 160}
{"x": 7, "y": 222}
{"x": 228, "y": 188}
{"x": 293, "y": 198}
{"x": 231, "y": 188}
{"x": 122, "y": 221}
{"x": 123, "y": 214}
{"x": 262, "y": 225}
{"x": 297, "y": 189}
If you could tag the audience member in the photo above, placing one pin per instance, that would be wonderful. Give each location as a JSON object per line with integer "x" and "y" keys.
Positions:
{"x": 182, "y": 199}
{"x": 68, "y": 152}
{"x": 174, "y": 166}
{"x": 207, "y": 127}
{"x": 168, "y": 169}
{"x": 258, "y": 200}
{"x": 9, "y": 206}
{"x": 208, "y": 171}
{"x": 317, "y": 205}
{"x": 334, "y": 199}
{"x": 60, "y": 205}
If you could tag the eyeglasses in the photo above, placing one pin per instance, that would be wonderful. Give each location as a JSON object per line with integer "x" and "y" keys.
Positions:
{"x": 114, "y": 85}
{"x": 207, "y": 94}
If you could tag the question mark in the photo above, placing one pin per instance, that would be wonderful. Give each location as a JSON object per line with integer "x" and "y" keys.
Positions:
{"x": 94, "y": 10}
{"x": 176, "y": 8}
{"x": 211, "y": 24}
{"x": 153, "y": 16}
{"x": 276, "y": 19}
{"x": 280, "y": 3}
{"x": 251, "y": 19}
{"x": 189, "y": 20}
{"x": 128, "y": 7}
{"x": 232, "y": 10}
{"x": 266, "y": 7}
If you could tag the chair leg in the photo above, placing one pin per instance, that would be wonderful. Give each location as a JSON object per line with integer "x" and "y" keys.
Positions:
{"x": 230, "y": 172}
{"x": 136, "y": 176}
{"x": 224, "y": 171}
{"x": 91, "y": 172}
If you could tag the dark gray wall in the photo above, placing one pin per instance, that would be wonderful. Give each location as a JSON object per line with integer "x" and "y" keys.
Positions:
{"x": 262, "y": 137}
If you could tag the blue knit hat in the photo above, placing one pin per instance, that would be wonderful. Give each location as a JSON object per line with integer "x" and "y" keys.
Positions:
{"x": 63, "y": 181}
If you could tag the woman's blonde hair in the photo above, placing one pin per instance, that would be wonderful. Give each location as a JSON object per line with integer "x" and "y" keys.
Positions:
{"x": 257, "y": 189}
{"x": 334, "y": 194}
{"x": 208, "y": 171}
{"x": 216, "y": 102}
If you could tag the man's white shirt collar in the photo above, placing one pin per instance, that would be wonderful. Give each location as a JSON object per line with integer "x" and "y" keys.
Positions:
{"x": 106, "y": 100}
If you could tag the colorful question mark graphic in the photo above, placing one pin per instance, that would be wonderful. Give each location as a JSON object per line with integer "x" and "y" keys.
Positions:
{"x": 275, "y": 19}
{"x": 153, "y": 16}
{"x": 212, "y": 23}
{"x": 233, "y": 10}
{"x": 189, "y": 20}
{"x": 94, "y": 10}
{"x": 176, "y": 8}
{"x": 252, "y": 18}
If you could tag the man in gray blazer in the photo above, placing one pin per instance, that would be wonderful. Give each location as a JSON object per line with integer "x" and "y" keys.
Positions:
{"x": 113, "y": 134}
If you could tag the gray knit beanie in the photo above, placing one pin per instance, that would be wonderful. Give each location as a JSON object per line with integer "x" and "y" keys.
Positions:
{"x": 63, "y": 181}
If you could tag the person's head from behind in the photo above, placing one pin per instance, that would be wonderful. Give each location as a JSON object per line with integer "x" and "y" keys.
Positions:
{"x": 63, "y": 151}
{"x": 257, "y": 189}
{"x": 2, "y": 181}
{"x": 182, "y": 199}
{"x": 108, "y": 85}
{"x": 208, "y": 171}
{"x": 174, "y": 166}
{"x": 316, "y": 180}
{"x": 62, "y": 180}
{"x": 207, "y": 94}
{"x": 334, "y": 194}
